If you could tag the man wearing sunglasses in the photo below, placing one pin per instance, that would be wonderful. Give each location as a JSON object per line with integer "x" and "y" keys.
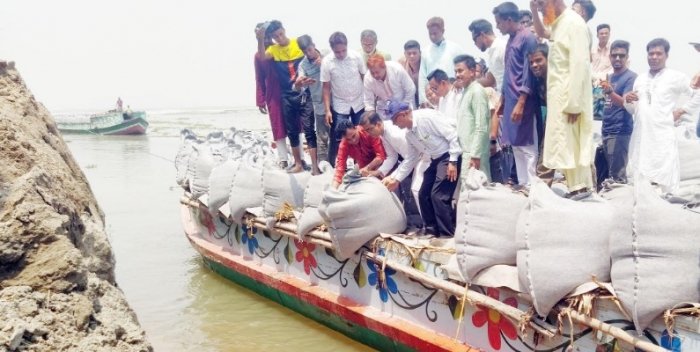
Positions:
{"x": 617, "y": 122}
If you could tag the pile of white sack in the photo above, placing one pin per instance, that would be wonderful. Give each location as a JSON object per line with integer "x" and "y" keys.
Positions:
{"x": 239, "y": 169}
{"x": 629, "y": 239}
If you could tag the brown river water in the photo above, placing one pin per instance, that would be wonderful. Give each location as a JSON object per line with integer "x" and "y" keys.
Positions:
{"x": 182, "y": 305}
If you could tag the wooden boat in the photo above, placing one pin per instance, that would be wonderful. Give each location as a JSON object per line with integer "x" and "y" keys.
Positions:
{"x": 110, "y": 123}
{"x": 395, "y": 294}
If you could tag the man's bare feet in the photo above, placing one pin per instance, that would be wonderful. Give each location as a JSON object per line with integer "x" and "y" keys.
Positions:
{"x": 315, "y": 172}
{"x": 295, "y": 169}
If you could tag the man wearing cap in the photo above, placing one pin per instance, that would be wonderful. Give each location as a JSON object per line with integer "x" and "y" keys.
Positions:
{"x": 428, "y": 134}
{"x": 387, "y": 81}
{"x": 438, "y": 55}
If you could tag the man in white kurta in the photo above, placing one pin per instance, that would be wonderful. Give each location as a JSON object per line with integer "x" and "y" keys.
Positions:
{"x": 653, "y": 145}
{"x": 568, "y": 142}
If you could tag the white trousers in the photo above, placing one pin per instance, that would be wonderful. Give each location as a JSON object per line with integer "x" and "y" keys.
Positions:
{"x": 418, "y": 177}
{"x": 526, "y": 163}
{"x": 282, "y": 150}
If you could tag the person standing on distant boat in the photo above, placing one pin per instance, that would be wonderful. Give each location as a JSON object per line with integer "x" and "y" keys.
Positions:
{"x": 269, "y": 99}
{"x": 120, "y": 104}
{"x": 297, "y": 107}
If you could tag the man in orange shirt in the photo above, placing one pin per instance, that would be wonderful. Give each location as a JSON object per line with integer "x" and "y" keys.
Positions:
{"x": 367, "y": 151}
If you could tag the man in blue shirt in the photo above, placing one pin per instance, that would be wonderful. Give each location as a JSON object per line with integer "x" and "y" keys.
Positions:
{"x": 520, "y": 106}
{"x": 617, "y": 121}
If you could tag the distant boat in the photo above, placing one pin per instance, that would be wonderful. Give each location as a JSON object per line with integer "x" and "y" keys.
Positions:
{"x": 110, "y": 123}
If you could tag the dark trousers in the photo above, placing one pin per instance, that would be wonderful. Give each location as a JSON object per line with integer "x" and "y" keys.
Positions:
{"x": 413, "y": 217}
{"x": 698, "y": 131}
{"x": 435, "y": 197}
{"x": 616, "y": 150}
{"x": 496, "y": 164}
{"x": 334, "y": 138}
{"x": 298, "y": 113}
{"x": 508, "y": 171}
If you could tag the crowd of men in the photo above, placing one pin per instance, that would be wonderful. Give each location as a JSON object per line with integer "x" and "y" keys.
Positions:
{"x": 525, "y": 112}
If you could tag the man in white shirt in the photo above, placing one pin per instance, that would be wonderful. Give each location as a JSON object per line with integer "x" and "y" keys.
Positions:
{"x": 600, "y": 55}
{"x": 450, "y": 94}
{"x": 653, "y": 145}
{"x": 395, "y": 172}
{"x": 342, "y": 75}
{"x": 387, "y": 81}
{"x": 439, "y": 55}
{"x": 428, "y": 134}
{"x": 495, "y": 49}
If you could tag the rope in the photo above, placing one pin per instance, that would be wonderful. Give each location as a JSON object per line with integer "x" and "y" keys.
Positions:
{"x": 462, "y": 303}
{"x": 285, "y": 213}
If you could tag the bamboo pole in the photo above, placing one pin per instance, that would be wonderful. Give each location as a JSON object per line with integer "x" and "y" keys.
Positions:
{"x": 189, "y": 202}
{"x": 613, "y": 331}
{"x": 314, "y": 233}
{"x": 259, "y": 223}
{"x": 459, "y": 291}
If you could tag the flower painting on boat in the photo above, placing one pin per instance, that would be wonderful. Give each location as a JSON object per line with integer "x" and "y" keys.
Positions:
{"x": 382, "y": 280}
{"x": 305, "y": 255}
{"x": 248, "y": 238}
{"x": 497, "y": 324}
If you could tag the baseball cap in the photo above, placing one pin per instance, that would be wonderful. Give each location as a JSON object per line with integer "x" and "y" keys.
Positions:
{"x": 394, "y": 107}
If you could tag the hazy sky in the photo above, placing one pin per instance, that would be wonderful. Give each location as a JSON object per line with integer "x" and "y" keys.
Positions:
{"x": 82, "y": 54}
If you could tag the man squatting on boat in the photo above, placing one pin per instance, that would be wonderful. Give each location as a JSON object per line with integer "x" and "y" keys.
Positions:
{"x": 523, "y": 113}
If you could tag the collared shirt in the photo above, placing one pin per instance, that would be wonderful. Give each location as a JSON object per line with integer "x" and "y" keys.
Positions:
{"x": 496, "y": 59}
{"x": 437, "y": 56}
{"x": 346, "y": 81}
{"x": 516, "y": 82}
{"x": 397, "y": 85}
{"x": 312, "y": 70}
{"x": 449, "y": 104}
{"x": 367, "y": 149}
{"x": 395, "y": 144}
{"x": 601, "y": 62}
{"x": 365, "y": 56}
{"x": 432, "y": 136}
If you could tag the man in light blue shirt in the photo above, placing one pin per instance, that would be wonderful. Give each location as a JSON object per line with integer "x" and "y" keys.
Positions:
{"x": 439, "y": 55}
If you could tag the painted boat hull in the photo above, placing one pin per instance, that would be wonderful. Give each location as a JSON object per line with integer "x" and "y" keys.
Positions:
{"x": 112, "y": 124}
{"x": 401, "y": 315}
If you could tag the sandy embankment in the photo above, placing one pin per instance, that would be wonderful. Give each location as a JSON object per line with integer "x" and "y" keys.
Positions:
{"x": 57, "y": 287}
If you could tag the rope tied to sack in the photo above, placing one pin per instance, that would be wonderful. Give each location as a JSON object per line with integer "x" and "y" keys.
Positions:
{"x": 285, "y": 212}
{"x": 683, "y": 309}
